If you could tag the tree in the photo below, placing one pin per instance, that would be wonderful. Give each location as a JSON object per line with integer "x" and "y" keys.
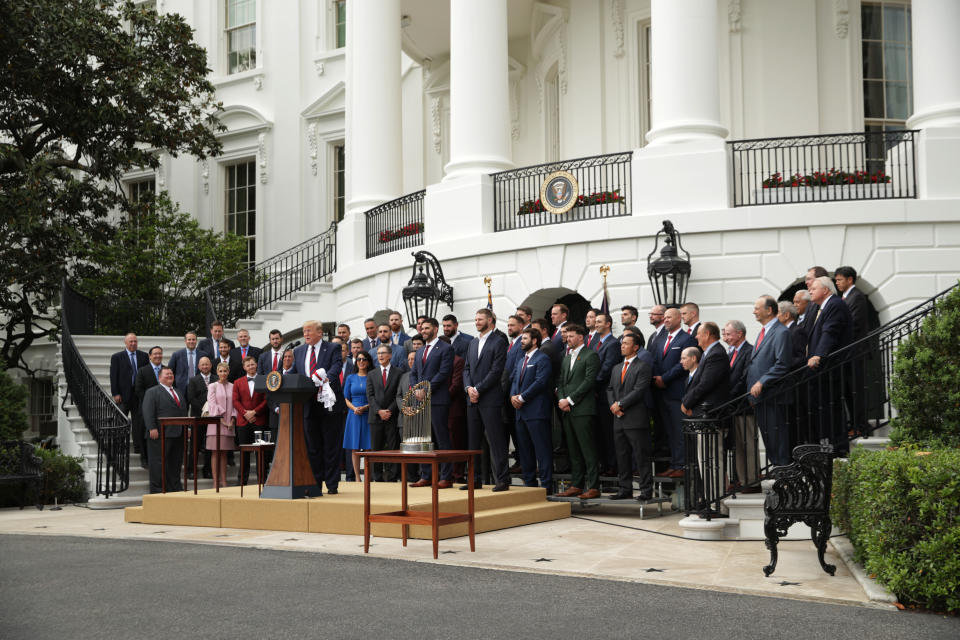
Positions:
{"x": 88, "y": 91}
{"x": 161, "y": 255}
{"x": 13, "y": 407}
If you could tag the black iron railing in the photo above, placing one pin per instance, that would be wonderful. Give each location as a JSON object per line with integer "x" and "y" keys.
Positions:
{"x": 395, "y": 225}
{"x": 877, "y": 165}
{"x": 115, "y": 316}
{"x": 846, "y": 397}
{"x": 604, "y": 191}
{"x": 244, "y": 293}
{"x": 108, "y": 426}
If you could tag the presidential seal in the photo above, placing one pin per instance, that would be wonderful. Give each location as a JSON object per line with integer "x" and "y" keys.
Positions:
{"x": 559, "y": 192}
{"x": 274, "y": 380}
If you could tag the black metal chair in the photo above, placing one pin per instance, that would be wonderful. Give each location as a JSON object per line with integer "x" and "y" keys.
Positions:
{"x": 19, "y": 465}
{"x": 800, "y": 493}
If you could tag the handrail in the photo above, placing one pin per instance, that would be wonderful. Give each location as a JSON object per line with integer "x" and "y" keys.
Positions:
{"x": 277, "y": 278}
{"x": 395, "y": 225}
{"x": 846, "y": 397}
{"x": 107, "y": 424}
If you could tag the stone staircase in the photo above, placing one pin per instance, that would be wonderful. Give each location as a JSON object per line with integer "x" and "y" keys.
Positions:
{"x": 316, "y": 302}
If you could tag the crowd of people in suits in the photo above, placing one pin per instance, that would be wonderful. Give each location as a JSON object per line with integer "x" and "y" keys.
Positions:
{"x": 613, "y": 404}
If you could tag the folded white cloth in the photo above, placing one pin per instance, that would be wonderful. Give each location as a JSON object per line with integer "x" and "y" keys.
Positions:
{"x": 325, "y": 394}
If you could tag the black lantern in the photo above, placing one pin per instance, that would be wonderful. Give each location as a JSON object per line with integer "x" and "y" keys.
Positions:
{"x": 426, "y": 288}
{"x": 670, "y": 273}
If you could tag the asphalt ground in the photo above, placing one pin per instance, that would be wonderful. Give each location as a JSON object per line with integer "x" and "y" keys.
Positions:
{"x": 77, "y": 588}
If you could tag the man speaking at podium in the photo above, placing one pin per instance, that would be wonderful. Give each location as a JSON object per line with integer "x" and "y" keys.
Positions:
{"x": 321, "y": 361}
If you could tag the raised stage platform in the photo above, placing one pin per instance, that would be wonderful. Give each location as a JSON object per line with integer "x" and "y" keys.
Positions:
{"x": 343, "y": 513}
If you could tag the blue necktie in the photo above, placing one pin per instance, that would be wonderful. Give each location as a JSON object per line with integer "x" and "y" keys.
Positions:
{"x": 133, "y": 366}
{"x": 156, "y": 372}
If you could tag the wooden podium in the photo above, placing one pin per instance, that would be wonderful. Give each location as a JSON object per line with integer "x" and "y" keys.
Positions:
{"x": 290, "y": 473}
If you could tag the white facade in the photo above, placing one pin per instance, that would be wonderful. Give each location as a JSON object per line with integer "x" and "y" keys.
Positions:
{"x": 527, "y": 82}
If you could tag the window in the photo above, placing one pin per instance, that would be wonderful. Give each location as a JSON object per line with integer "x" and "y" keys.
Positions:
{"x": 644, "y": 97}
{"x": 887, "y": 72}
{"x": 241, "y": 205}
{"x": 42, "y": 406}
{"x": 241, "y": 29}
{"x": 340, "y": 23}
{"x": 138, "y": 190}
{"x": 339, "y": 182}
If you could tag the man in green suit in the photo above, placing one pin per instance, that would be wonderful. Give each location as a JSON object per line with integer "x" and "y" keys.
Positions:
{"x": 578, "y": 375}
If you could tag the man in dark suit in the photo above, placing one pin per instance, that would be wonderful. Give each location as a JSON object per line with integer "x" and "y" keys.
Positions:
{"x": 608, "y": 349}
{"x": 531, "y": 396}
{"x": 710, "y": 385}
{"x": 590, "y": 323}
{"x": 656, "y": 321}
{"x": 690, "y": 315}
{"x": 482, "y": 372}
{"x": 196, "y": 398}
{"x": 397, "y": 335}
{"x": 321, "y": 361}
{"x": 627, "y": 399}
{"x": 576, "y": 390}
{"x": 810, "y": 312}
{"x": 458, "y": 340}
{"x": 399, "y": 354}
{"x": 739, "y": 351}
{"x": 243, "y": 348}
{"x": 668, "y": 382}
{"x": 236, "y": 367}
{"x": 184, "y": 363}
{"x": 123, "y": 376}
{"x": 558, "y": 316}
{"x": 832, "y": 330}
{"x": 162, "y": 401}
{"x": 210, "y": 346}
{"x": 514, "y": 350}
{"x": 271, "y": 358}
{"x": 147, "y": 377}
{"x": 434, "y": 363}
{"x": 370, "y": 327}
{"x": 788, "y": 317}
{"x": 457, "y": 415}
{"x": 629, "y": 316}
{"x": 382, "y": 386}
{"x": 251, "y": 408}
{"x": 855, "y": 391}
{"x": 772, "y": 355}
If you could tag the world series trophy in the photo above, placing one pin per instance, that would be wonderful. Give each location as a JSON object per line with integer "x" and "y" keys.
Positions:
{"x": 417, "y": 430}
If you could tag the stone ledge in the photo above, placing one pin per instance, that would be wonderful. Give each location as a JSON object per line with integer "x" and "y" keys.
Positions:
{"x": 877, "y": 594}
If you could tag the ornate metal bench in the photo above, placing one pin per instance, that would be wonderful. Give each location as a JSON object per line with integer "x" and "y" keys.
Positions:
{"x": 800, "y": 493}
{"x": 19, "y": 465}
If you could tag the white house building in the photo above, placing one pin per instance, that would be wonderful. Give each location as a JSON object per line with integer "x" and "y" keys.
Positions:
{"x": 335, "y": 109}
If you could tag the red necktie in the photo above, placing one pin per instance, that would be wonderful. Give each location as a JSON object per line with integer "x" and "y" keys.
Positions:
{"x": 523, "y": 369}
{"x": 588, "y": 339}
{"x": 274, "y": 360}
{"x": 763, "y": 330}
{"x": 175, "y": 398}
{"x": 384, "y": 378}
{"x": 667, "y": 346}
{"x": 733, "y": 358}
{"x": 425, "y": 350}
{"x": 623, "y": 374}
{"x": 690, "y": 331}
{"x": 313, "y": 360}
{"x": 243, "y": 351}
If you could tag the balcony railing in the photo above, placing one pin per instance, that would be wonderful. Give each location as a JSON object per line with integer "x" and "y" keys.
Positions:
{"x": 395, "y": 225}
{"x": 848, "y": 166}
{"x": 604, "y": 184}
{"x": 244, "y": 293}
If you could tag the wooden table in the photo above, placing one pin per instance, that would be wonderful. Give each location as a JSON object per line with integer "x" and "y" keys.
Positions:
{"x": 405, "y": 517}
{"x": 257, "y": 448}
{"x": 193, "y": 425}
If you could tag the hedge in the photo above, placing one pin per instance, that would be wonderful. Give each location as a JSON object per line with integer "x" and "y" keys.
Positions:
{"x": 63, "y": 480}
{"x": 901, "y": 510}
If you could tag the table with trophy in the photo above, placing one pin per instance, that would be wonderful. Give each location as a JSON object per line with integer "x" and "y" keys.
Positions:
{"x": 417, "y": 448}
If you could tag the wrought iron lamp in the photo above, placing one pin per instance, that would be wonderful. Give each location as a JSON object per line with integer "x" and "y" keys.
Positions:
{"x": 669, "y": 273}
{"x": 426, "y": 288}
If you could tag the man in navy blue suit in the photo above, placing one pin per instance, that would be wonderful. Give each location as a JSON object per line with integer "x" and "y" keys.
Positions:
{"x": 485, "y": 360}
{"x": 771, "y": 359}
{"x": 434, "y": 363}
{"x": 184, "y": 363}
{"x": 558, "y": 316}
{"x": 608, "y": 348}
{"x": 210, "y": 346}
{"x": 514, "y": 350}
{"x": 458, "y": 340}
{"x": 830, "y": 330}
{"x": 123, "y": 374}
{"x": 321, "y": 426}
{"x": 668, "y": 382}
{"x": 531, "y": 395}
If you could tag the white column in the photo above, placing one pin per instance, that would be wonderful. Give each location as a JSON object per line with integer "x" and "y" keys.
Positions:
{"x": 683, "y": 56}
{"x": 375, "y": 151}
{"x": 479, "y": 88}
{"x": 936, "y": 50}
{"x": 373, "y": 119}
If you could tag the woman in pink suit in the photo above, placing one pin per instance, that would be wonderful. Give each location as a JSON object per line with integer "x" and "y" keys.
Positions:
{"x": 220, "y": 403}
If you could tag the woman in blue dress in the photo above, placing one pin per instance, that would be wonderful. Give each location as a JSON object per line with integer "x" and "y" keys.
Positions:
{"x": 356, "y": 433}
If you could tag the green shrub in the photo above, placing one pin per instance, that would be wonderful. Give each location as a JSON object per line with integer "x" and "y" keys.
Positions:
{"x": 901, "y": 510}
{"x": 925, "y": 387}
{"x": 62, "y": 482}
{"x": 13, "y": 406}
